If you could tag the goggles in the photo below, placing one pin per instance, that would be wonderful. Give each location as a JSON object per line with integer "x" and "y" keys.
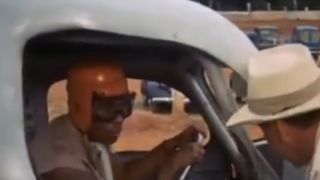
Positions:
{"x": 107, "y": 108}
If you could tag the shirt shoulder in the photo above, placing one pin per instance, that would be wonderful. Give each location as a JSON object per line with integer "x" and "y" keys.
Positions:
{"x": 67, "y": 145}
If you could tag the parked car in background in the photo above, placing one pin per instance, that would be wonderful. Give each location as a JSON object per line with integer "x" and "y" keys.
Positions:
{"x": 268, "y": 36}
{"x": 309, "y": 36}
{"x": 253, "y": 36}
{"x": 239, "y": 87}
{"x": 157, "y": 96}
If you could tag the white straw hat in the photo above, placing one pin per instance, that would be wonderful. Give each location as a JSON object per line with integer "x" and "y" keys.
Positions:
{"x": 283, "y": 82}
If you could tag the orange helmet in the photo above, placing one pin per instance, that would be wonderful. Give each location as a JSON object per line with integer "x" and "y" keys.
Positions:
{"x": 88, "y": 78}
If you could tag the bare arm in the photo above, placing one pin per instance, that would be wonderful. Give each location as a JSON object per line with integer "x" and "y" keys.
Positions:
{"x": 67, "y": 174}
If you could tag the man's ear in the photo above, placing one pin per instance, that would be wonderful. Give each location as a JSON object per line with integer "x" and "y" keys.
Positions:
{"x": 286, "y": 132}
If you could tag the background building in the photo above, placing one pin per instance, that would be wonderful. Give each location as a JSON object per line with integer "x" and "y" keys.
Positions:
{"x": 231, "y": 5}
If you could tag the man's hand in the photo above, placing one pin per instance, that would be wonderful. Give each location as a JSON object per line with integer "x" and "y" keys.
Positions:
{"x": 188, "y": 154}
{"x": 189, "y": 135}
{"x": 169, "y": 157}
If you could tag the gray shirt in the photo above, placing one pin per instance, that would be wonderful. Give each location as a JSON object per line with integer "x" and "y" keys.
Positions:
{"x": 71, "y": 149}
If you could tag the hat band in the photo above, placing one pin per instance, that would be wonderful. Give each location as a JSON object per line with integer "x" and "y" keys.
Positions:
{"x": 273, "y": 105}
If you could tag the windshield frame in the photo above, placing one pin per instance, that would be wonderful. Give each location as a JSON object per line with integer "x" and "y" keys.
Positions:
{"x": 220, "y": 90}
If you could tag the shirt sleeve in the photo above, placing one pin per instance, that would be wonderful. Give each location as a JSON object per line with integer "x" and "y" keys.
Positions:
{"x": 61, "y": 161}
{"x": 66, "y": 148}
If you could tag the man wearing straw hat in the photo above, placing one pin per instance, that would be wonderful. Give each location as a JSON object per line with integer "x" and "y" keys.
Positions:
{"x": 284, "y": 100}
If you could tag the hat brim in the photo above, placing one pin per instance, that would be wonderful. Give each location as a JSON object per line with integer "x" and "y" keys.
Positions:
{"x": 245, "y": 116}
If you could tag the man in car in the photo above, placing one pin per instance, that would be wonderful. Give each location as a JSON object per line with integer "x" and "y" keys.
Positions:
{"x": 99, "y": 101}
{"x": 284, "y": 100}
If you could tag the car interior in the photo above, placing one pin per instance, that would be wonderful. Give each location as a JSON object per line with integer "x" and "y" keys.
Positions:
{"x": 47, "y": 57}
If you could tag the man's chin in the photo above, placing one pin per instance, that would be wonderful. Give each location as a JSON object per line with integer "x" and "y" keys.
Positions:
{"x": 111, "y": 140}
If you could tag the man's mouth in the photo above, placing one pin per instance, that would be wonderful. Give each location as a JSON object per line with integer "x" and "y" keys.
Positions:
{"x": 113, "y": 128}
{"x": 116, "y": 131}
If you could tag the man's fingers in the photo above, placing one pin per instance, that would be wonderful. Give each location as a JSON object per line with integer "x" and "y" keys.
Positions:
{"x": 189, "y": 131}
{"x": 190, "y": 134}
{"x": 197, "y": 152}
{"x": 195, "y": 130}
{"x": 194, "y": 152}
{"x": 188, "y": 154}
{"x": 200, "y": 131}
{"x": 187, "y": 135}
